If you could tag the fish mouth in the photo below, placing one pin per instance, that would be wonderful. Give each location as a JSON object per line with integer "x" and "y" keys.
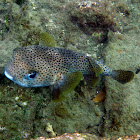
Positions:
{"x": 12, "y": 79}
{"x": 8, "y": 75}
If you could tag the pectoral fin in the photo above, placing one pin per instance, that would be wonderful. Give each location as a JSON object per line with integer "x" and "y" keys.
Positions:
{"x": 66, "y": 85}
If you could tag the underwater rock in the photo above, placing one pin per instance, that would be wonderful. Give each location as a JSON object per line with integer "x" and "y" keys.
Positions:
{"x": 86, "y": 136}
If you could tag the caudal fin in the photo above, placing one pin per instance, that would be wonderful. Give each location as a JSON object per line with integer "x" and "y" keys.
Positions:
{"x": 122, "y": 76}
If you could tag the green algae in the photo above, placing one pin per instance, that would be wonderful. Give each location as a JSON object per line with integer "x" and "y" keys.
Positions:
{"x": 47, "y": 40}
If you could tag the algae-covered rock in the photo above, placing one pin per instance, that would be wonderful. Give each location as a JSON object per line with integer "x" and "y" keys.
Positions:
{"x": 84, "y": 27}
{"x": 122, "y": 103}
{"x": 86, "y": 136}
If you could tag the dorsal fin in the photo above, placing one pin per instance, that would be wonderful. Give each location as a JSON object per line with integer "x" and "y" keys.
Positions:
{"x": 93, "y": 78}
{"x": 95, "y": 67}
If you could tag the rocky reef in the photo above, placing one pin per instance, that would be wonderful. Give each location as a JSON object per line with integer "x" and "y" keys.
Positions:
{"x": 107, "y": 29}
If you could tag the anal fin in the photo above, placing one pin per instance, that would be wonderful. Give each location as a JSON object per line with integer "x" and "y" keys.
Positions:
{"x": 91, "y": 79}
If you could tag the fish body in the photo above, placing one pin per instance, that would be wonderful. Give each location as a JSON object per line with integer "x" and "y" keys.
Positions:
{"x": 47, "y": 63}
{"x": 38, "y": 66}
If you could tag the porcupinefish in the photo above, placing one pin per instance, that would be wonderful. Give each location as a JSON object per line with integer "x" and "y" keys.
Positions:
{"x": 39, "y": 66}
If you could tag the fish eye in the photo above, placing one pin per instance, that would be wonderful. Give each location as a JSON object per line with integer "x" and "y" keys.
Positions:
{"x": 31, "y": 75}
